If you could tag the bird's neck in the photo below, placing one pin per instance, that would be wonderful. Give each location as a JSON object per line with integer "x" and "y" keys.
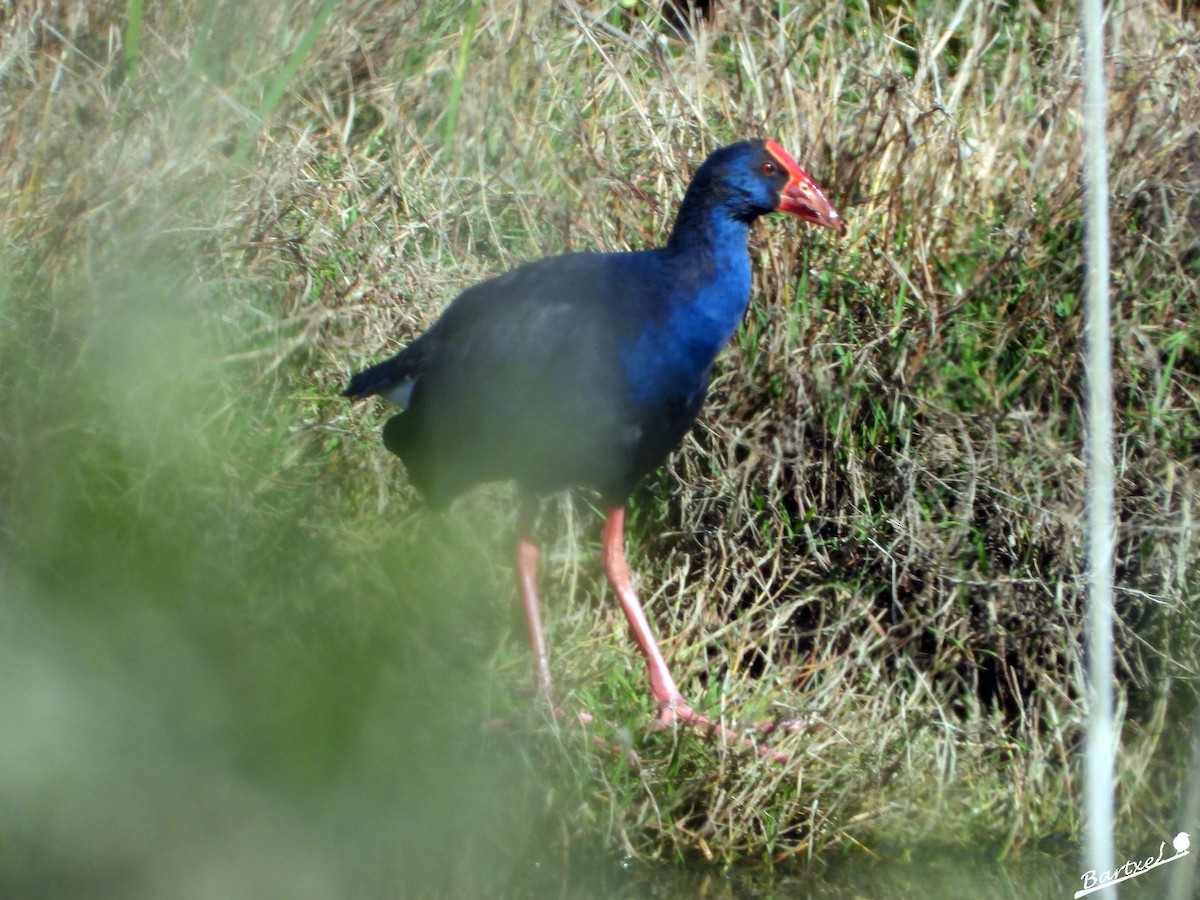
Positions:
{"x": 706, "y": 291}
{"x": 710, "y": 270}
{"x": 704, "y": 225}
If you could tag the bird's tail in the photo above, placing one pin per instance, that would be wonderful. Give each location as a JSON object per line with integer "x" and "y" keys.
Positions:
{"x": 383, "y": 378}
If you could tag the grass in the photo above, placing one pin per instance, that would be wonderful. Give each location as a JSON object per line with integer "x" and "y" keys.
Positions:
{"x": 229, "y": 624}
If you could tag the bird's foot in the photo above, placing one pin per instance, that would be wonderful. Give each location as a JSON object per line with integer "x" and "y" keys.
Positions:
{"x": 785, "y": 726}
{"x": 543, "y": 694}
{"x": 676, "y": 711}
{"x": 583, "y": 718}
{"x": 579, "y": 716}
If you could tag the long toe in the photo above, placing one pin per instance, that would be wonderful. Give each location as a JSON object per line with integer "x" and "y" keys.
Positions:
{"x": 679, "y": 712}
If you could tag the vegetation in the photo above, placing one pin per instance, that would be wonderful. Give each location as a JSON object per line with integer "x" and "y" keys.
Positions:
{"x": 238, "y": 656}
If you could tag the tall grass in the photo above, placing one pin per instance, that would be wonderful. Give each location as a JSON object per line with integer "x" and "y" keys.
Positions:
{"x": 244, "y": 659}
{"x": 287, "y": 75}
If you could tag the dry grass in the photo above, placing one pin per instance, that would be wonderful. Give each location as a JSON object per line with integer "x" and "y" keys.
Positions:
{"x": 877, "y": 523}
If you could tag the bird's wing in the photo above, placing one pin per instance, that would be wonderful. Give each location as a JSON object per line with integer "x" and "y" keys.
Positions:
{"x": 522, "y": 379}
{"x": 539, "y": 341}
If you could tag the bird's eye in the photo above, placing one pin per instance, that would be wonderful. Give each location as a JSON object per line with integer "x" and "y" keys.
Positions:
{"x": 767, "y": 168}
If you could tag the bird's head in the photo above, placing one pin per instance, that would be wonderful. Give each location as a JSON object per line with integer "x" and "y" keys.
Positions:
{"x": 757, "y": 177}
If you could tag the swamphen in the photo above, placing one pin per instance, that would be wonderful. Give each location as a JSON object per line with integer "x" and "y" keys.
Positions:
{"x": 585, "y": 370}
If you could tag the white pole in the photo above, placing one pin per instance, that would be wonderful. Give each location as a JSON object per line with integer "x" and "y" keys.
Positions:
{"x": 1101, "y": 737}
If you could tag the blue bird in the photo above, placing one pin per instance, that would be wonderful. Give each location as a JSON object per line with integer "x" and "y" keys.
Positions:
{"x": 585, "y": 370}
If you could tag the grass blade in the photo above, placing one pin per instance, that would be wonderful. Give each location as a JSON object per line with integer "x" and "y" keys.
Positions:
{"x": 278, "y": 87}
{"x": 133, "y": 38}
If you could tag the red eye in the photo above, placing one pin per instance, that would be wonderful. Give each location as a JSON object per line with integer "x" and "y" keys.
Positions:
{"x": 768, "y": 168}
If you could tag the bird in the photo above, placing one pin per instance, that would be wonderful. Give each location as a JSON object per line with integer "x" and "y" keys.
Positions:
{"x": 584, "y": 371}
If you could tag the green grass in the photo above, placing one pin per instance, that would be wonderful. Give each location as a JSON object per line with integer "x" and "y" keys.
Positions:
{"x": 133, "y": 37}
{"x": 240, "y": 658}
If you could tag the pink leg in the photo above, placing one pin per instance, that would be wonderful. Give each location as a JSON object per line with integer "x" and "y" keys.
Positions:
{"x": 671, "y": 705}
{"x": 527, "y": 563}
{"x": 662, "y": 685}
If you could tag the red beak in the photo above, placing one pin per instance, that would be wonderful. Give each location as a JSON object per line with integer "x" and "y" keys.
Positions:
{"x": 801, "y": 196}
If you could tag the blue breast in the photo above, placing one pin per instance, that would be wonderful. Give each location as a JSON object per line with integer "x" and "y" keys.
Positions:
{"x": 694, "y": 307}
